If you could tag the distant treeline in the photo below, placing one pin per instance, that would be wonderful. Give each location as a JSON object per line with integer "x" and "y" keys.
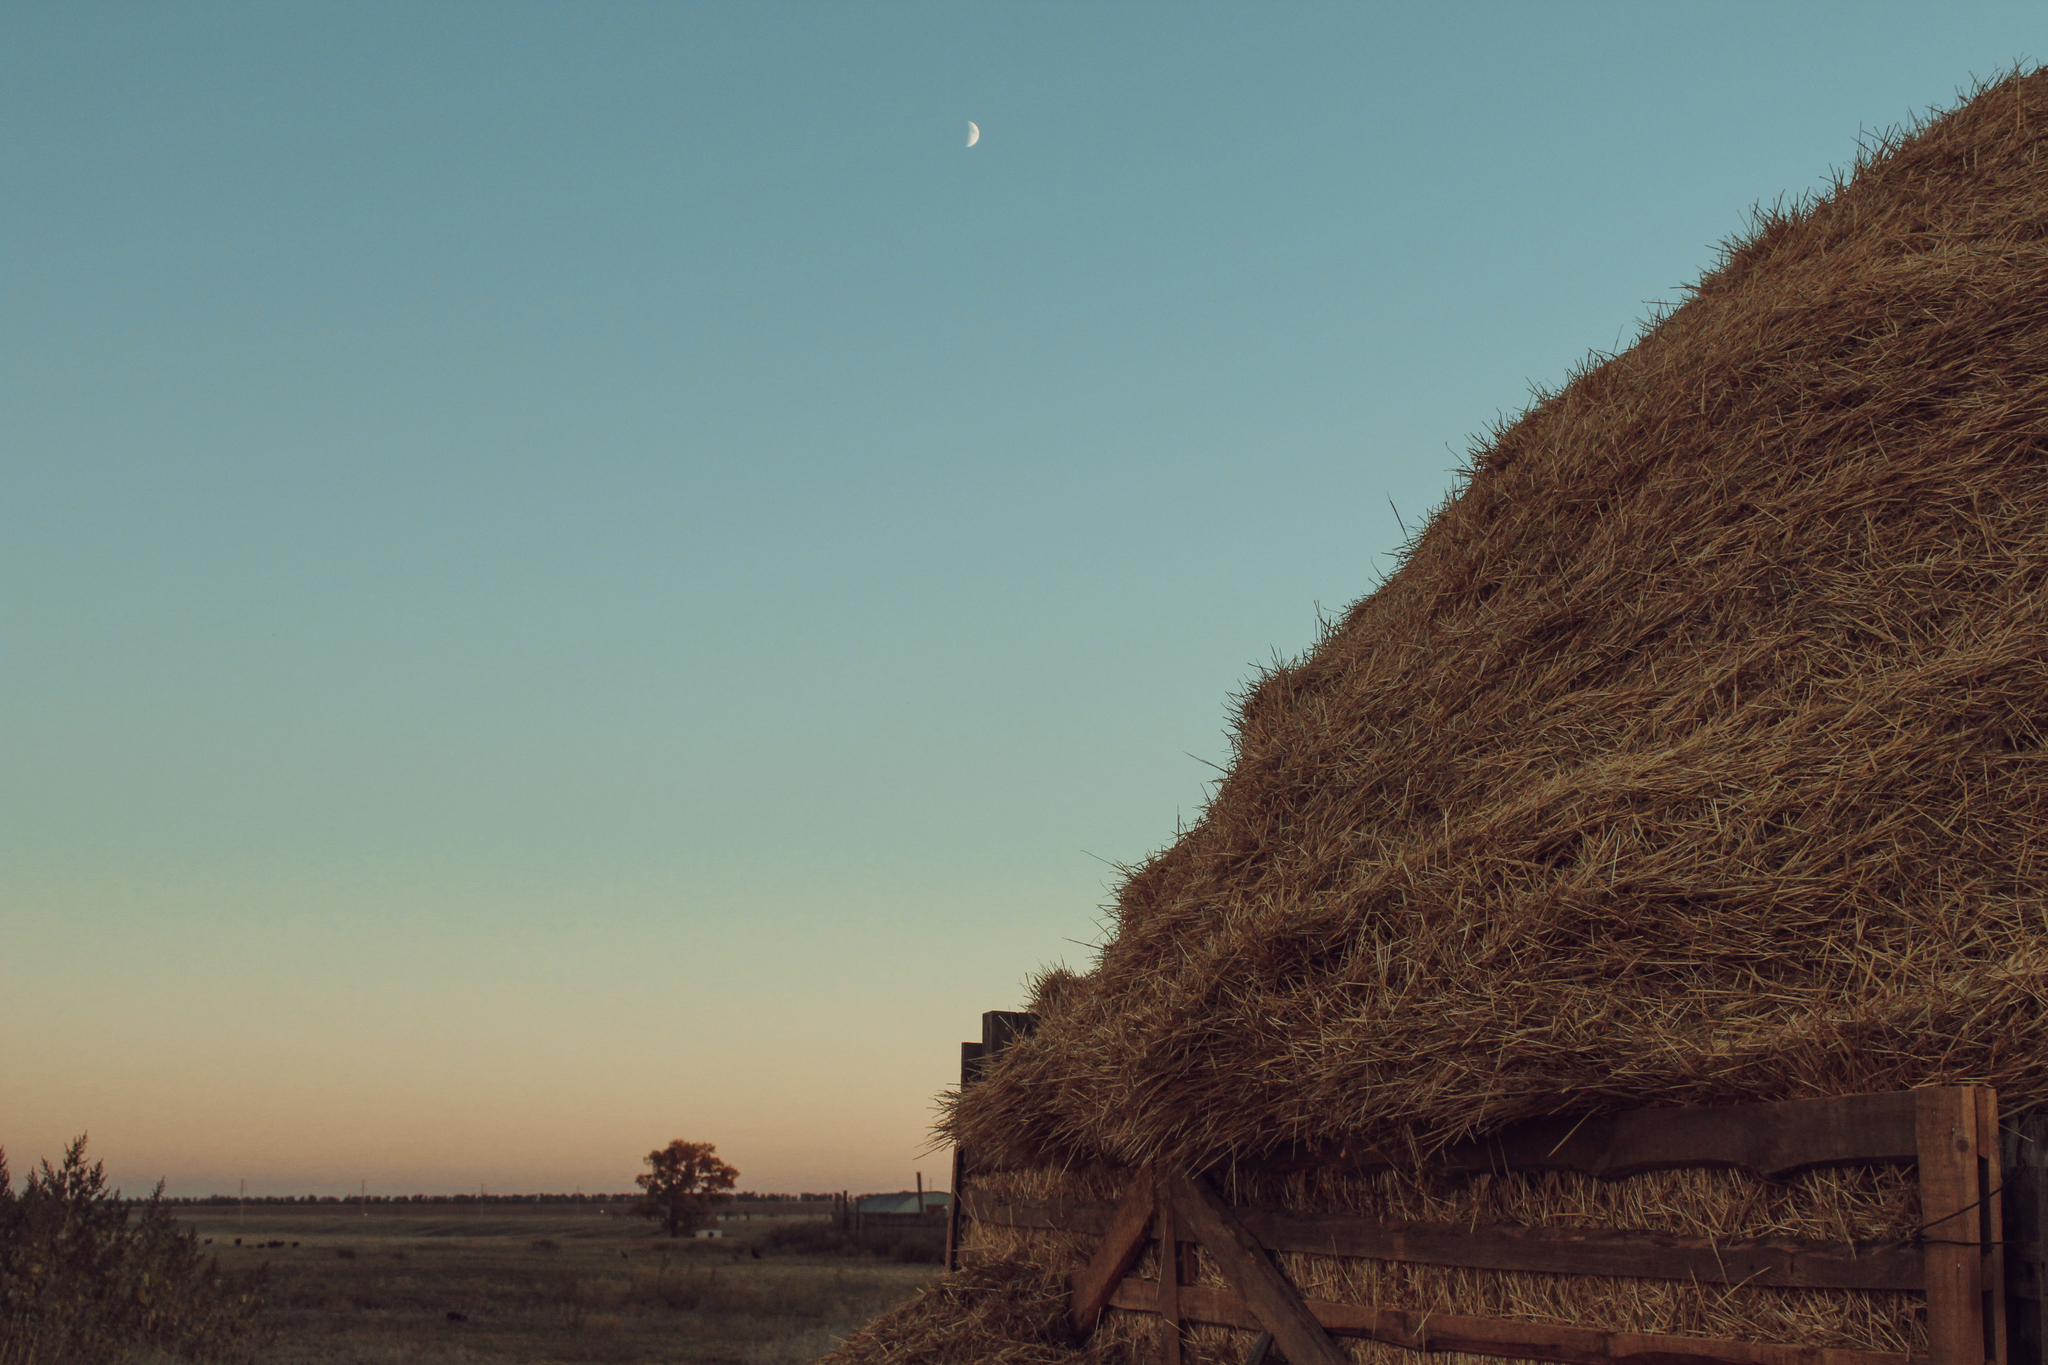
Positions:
{"x": 744, "y": 1197}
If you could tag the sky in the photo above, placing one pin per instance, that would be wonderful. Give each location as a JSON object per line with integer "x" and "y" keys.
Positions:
{"x": 577, "y": 575}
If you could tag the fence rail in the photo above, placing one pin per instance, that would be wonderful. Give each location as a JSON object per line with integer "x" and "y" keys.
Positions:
{"x": 1950, "y": 1135}
{"x": 1421, "y": 1331}
{"x": 1779, "y": 1262}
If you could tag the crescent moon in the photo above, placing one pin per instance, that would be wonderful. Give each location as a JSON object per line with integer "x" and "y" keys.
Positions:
{"x": 973, "y": 133}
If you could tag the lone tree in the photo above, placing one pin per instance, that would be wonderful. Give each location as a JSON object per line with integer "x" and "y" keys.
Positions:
{"x": 686, "y": 1180}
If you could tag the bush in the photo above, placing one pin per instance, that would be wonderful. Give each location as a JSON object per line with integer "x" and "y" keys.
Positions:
{"x": 81, "y": 1282}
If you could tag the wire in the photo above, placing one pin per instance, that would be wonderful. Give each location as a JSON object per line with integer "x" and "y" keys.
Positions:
{"x": 1975, "y": 1203}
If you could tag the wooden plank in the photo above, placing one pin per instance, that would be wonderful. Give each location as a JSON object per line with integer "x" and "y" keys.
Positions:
{"x": 1169, "y": 1283}
{"x": 1949, "y": 1223}
{"x": 1122, "y": 1242}
{"x": 1991, "y": 1225}
{"x": 1251, "y": 1272}
{"x": 1000, "y": 1028}
{"x": 1771, "y": 1140}
{"x": 956, "y": 1210}
{"x": 1419, "y": 1330}
{"x": 1782, "y": 1262}
{"x": 1065, "y": 1215}
{"x": 1775, "y": 1261}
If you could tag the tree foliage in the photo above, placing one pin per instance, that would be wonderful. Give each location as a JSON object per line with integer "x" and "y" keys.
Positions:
{"x": 684, "y": 1182}
{"x": 83, "y": 1280}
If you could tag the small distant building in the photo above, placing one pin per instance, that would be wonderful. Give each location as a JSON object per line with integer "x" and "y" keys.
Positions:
{"x": 909, "y": 1202}
{"x": 903, "y": 1212}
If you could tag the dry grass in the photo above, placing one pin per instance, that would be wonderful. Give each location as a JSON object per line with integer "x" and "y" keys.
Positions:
{"x": 547, "y": 1285}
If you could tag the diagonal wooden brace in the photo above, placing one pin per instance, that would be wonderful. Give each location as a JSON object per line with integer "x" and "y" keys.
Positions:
{"x": 1123, "y": 1241}
{"x": 1251, "y": 1272}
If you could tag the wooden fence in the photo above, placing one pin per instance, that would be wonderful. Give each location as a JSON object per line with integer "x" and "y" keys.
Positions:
{"x": 1969, "y": 1252}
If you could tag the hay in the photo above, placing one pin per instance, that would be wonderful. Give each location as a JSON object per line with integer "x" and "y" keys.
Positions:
{"x": 1846, "y": 1204}
{"x": 997, "y": 1311}
{"x": 1850, "y": 1205}
{"x": 1694, "y": 754}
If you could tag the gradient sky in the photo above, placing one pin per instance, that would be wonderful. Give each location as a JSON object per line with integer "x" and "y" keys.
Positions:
{"x": 577, "y": 575}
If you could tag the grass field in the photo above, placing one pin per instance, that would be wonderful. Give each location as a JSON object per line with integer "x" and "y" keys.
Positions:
{"x": 542, "y": 1283}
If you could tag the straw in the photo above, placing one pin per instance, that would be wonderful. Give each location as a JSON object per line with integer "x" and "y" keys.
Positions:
{"x": 1693, "y": 755}
{"x": 1696, "y": 753}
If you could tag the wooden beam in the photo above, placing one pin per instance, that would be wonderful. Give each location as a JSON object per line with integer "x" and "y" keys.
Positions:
{"x": 1168, "y": 1304}
{"x": 1419, "y": 1330}
{"x": 1000, "y": 1028}
{"x": 2023, "y": 1170}
{"x": 956, "y": 1208}
{"x": 1772, "y": 1140}
{"x": 1122, "y": 1242}
{"x": 1950, "y": 1208}
{"x": 1778, "y": 1262}
{"x": 1991, "y": 1224}
{"x": 1066, "y": 1215}
{"x": 1251, "y": 1272}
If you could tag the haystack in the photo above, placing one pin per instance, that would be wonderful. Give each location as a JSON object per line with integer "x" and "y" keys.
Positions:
{"x": 1694, "y": 754}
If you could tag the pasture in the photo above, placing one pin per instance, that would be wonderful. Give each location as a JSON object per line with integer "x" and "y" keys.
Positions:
{"x": 541, "y": 1284}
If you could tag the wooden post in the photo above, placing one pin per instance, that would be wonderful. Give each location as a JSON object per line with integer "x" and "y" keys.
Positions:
{"x": 970, "y": 1072}
{"x": 954, "y": 1214}
{"x": 1169, "y": 1283}
{"x": 2023, "y": 1165}
{"x": 999, "y": 1028}
{"x": 1990, "y": 1226}
{"x": 1961, "y": 1308}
